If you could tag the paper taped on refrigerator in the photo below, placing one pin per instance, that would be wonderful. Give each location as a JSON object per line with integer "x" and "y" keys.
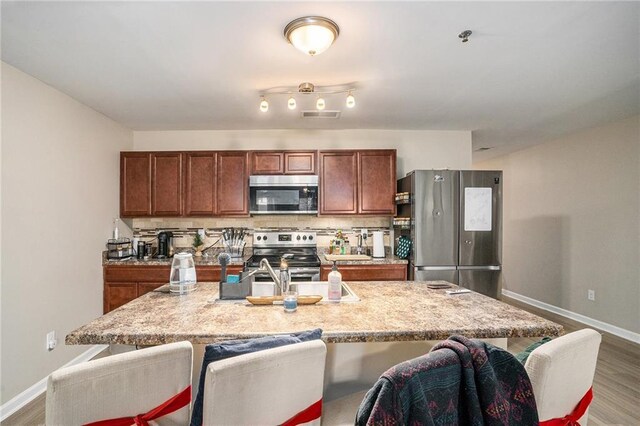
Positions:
{"x": 477, "y": 209}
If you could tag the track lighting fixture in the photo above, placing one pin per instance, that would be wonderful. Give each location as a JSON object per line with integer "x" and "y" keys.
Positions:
{"x": 323, "y": 95}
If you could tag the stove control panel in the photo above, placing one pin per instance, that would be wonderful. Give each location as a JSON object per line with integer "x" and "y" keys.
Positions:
{"x": 284, "y": 239}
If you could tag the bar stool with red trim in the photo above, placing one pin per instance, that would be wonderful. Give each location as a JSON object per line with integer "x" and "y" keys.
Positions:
{"x": 135, "y": 387}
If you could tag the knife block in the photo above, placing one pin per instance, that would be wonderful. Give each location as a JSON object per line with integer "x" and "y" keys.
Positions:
{"x": 235, "y": 291}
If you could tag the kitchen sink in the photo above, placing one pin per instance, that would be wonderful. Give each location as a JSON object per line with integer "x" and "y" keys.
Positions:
{"x": 305, "y": 288}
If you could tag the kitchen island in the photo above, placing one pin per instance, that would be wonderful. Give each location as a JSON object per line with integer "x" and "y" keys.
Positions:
{"x": 394, "y": 321}
{"x": 388, "y": 311}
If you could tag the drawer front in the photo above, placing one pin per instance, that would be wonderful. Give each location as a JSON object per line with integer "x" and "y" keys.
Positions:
{"x": 213, "y": 273}
{"x": 160, "y": 274}
{"x": 151, "y": 273}
{"x": 393, "y": 272}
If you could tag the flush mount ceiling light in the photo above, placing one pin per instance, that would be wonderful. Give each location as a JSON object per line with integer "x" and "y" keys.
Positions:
{"x": 306, "y": 89}
{"x": 311, "y": 34}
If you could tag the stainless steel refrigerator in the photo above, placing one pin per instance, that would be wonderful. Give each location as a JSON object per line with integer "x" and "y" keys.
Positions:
{"x": 455, "y": 227}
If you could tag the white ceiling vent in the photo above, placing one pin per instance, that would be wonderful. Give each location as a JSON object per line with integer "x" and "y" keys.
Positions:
{"x": 320, "y": 114}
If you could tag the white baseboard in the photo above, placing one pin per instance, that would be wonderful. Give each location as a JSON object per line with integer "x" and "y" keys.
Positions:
{"x": 25, "y": 397}
{"x": 609, "y": 328}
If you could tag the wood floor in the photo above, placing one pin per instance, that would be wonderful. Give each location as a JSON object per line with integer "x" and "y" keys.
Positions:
{"x": 616, "y": 384}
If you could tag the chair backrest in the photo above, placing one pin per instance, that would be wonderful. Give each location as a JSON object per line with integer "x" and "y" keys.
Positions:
{"x": 561, "y": 373}
{"x": 120, "y": 386}
{"x": 265, "y": 387}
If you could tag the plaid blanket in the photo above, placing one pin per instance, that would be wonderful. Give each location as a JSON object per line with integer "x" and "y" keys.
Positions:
{"x": 460, "y": 382}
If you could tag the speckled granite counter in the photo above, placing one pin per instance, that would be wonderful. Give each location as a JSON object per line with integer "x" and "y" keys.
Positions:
{"x": 388, "y": 311}
{"x": 211, "y": 260}
{"x": 387, "y": 260}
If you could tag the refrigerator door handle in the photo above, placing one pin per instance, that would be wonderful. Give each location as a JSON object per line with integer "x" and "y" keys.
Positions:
{"x": 480, "y": 268}
{"x": 435, "y": 268}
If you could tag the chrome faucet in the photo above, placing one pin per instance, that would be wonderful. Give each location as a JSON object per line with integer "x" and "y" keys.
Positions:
{"x": 281, "y": 280}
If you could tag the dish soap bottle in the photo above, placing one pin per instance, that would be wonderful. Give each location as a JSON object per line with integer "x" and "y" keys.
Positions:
{"x": 335, "y": 283}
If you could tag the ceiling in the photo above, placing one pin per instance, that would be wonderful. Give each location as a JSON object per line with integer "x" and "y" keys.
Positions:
{"x": 530, "y": 71}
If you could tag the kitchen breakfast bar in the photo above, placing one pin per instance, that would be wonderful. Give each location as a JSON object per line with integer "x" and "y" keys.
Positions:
{"x": 387, "y": 311}
{"x": 394, "y": 321}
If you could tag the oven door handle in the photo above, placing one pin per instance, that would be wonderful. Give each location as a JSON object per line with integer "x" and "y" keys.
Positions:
{"x": 301, "y": 271}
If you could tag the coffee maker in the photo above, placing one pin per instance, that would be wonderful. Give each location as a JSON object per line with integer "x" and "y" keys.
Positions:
{"x": 165, "y": 244}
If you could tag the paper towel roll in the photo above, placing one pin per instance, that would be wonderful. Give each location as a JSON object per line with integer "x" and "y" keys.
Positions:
{"x": 378, "y": 244}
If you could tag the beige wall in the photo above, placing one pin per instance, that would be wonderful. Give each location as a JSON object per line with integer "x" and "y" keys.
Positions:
{"x": 59, "y": 196}
{"x": 572, "y": 222}
{"x": 417, "y": 149}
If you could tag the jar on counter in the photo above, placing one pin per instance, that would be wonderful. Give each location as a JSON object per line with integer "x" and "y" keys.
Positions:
{"x": 183, "y": 274}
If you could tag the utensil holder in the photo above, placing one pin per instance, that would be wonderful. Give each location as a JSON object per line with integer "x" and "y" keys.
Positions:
{"x": 235, "y": 251}
{"x": 235, "y": 291}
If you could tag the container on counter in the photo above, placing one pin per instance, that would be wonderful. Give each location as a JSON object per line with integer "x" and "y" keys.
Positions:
{"x": 141, "y": 250}
{"x": 335, "y": 283}
{"x": 183, "y": 274}
{"x": 119, "y": 248}
{"x": 290, "y": 301}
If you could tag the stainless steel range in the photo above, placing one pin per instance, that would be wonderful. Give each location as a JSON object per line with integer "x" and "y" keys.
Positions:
{"x": 299, "y": 248}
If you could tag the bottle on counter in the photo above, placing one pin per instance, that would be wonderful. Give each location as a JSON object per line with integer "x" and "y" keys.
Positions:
{"x": 134, "y": 245}
{"x": 116, "y": 232}
{"x": 335, "y": 283}
{"x": 285, "y": 276}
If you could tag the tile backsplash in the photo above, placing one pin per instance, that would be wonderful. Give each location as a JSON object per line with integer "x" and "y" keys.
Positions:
{"x": 326, "y": 227}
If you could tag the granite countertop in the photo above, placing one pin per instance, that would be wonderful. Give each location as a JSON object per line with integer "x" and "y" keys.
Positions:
{"x": 387, "y": 311}
{"x": 387, "y": 260}
{"x": 211, "y": 260}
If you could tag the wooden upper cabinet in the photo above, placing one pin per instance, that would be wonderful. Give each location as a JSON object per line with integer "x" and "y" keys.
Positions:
{"x": 166, "y": 184}
{"x": 283, "y": 162}
{"x": 216, "y": 183}
{"x": 233, "y": 183}
{"x": 267, "y": 163}
{"x": 377, "y": 182}
{"x": 300, "y": 162}
{"x": 135, "y": 184}
{"x": 338, "y": 179}
{"x": 200, "y": 183}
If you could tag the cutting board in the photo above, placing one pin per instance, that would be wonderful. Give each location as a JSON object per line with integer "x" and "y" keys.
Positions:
{"x": 332, "y": 257}
{"x": 268, "y": 300}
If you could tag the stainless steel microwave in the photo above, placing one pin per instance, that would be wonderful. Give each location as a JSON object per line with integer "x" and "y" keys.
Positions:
{"x": 293, "y": 194}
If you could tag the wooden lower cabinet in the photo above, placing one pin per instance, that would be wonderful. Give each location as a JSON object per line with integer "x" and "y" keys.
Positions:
{"x": 124, "y": 283}
{"x": 387, "y": 272}
{"x": 117, "y": 294}
{"x": 144, "y": 288}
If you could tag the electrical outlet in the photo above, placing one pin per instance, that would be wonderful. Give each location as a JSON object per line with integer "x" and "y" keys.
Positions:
{"x": 591, "y": 295}
{"x": 52, "y": 341}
